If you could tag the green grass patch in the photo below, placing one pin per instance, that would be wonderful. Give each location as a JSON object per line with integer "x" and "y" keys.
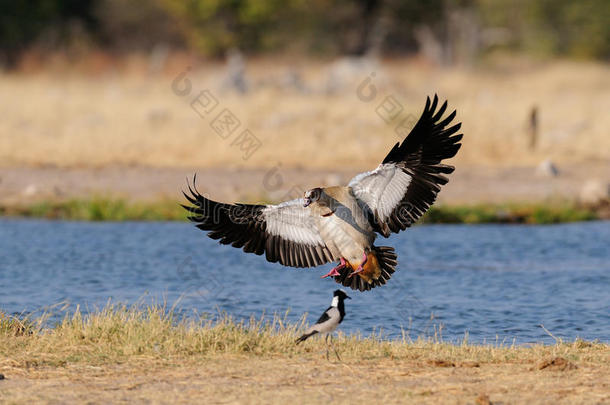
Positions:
{"x": 116, "y": 209}
{"x": 100, "y": 209}
{"x": 539, "y": 213}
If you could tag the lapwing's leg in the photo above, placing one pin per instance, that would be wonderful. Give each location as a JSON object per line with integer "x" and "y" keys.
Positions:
{"x": 335, "y": 270}
{"x": 361, "y": 267}
{"x": 326, "y": 340}
{"x": 335, "y": 350}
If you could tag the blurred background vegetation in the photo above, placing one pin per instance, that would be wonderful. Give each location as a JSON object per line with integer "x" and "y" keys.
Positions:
{"x": 447, "y": 31}
{"x": 87, "y": 85}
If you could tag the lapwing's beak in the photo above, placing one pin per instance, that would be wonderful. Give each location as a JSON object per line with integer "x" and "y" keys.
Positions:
{"x": 348, "y": 297}
{"x": 307, "y": 202}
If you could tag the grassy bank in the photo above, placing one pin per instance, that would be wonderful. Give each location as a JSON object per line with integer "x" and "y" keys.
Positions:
{"x": 112, "y": 209}
{"x": 99, "y": 209}
{"x": 146, "y": 353}
{"x": 118, "y": 333}
{"x": 526, "y": 213}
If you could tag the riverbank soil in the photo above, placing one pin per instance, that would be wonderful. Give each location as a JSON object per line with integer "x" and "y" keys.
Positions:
{"x": 468, "y": 184}
{"x": 311, "y": 379}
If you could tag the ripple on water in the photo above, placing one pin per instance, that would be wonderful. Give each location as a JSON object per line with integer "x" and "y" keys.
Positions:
{"x": 489, "y": 281}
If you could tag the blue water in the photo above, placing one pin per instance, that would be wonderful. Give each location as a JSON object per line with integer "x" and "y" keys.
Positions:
{"x": 497, "y": 283}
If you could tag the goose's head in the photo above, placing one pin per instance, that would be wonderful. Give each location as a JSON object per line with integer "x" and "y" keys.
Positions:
{"x": 311, "y": 196}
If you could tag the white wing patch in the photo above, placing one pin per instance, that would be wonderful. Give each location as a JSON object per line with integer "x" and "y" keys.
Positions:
{"x": 292, "y": 221}
{"x": 381, "y": 189}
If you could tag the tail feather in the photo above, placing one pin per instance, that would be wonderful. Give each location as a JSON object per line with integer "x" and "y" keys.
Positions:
{"x": 305, "y": 336}
{"x": 386, "y": 258}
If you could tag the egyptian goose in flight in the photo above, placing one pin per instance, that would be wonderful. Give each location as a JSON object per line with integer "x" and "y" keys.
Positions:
{"x": 341, "y": 223}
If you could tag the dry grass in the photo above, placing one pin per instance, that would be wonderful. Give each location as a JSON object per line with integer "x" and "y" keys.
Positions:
{"x": 126, "y": 119}
{"x": 123, "y": 354}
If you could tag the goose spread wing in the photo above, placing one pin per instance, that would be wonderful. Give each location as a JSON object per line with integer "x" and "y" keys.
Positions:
{"x": 286, "y": 232}
{"x": 405, "y": 185}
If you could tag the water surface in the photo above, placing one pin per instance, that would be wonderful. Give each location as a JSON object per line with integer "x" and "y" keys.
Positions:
{"x": 493, "y": 282}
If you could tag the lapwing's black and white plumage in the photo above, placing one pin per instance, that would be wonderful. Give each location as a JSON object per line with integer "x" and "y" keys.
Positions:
{"x": 330, "y": 319}
{"x": 341, "y": 223}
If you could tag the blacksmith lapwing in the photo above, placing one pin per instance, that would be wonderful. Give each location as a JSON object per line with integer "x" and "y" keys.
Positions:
{"x": 328, "y": 322}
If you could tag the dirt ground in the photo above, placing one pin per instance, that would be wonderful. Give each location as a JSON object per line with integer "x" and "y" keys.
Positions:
{"x": 309, "y": 380}
{"x": 467, "y": 185}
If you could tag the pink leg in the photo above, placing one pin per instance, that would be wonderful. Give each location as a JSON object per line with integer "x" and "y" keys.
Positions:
{"x": 335, "y": 270}
{"x": 361, "y": 267}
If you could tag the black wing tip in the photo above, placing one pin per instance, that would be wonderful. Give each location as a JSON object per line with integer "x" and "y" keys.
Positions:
{"x": 434, "y": 104}
{"x": 193, "y": 193}
{"x": 190, "y": 197}
{"x": 430, "y": 128}
{"x": 200, "y": 205}
{"x": 194, "y": 196}
{"x": 431, "y": 116}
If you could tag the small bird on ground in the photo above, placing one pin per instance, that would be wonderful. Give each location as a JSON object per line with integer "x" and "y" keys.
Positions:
{"x": 341, "y": 223}
{"x": 328, "y": 322}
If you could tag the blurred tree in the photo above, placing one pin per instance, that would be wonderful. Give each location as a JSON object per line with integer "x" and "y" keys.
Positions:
{"x": 553, "y": 27}
{"x": 410, "y": 16}
{"x": 343, "y": 26}
{"x": 448, "y": 31}
{"x": 23, "y": 22}
{"x": 214, "y": 26}
{"x": 136, "y": 25}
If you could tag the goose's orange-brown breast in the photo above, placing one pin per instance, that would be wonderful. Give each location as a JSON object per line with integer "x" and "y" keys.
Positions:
{"x": 371, "y": 271}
